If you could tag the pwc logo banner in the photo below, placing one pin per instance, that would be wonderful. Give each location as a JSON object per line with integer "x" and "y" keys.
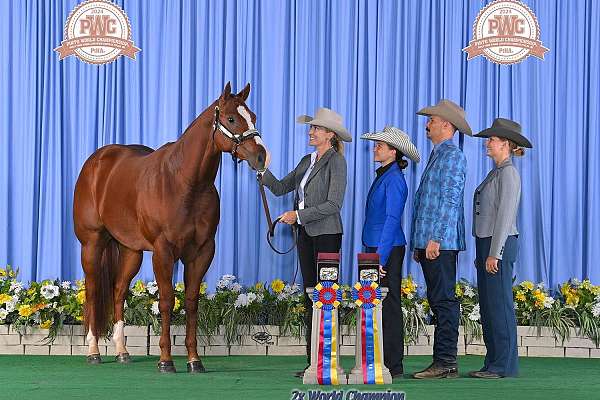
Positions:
{"x": 97, "y": 32}
{"x": 506, "y": 32}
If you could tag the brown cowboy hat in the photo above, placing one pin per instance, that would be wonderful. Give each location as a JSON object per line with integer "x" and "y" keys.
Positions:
{"x": 451, "y": 112}
{"x": 326, "y": 118}
{"x": 507, "y": 129}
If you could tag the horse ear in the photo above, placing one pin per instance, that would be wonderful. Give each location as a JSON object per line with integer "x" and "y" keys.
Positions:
{"x": 243, "y": 94}
{"x": 227, "y": 91}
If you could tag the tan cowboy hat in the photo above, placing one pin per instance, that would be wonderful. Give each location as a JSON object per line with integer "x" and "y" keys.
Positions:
{"x": 329, "y": 119}
{"x": 505, "y": 128}
{"x": 451, "y": 112}
{"x": 397, "y": 139}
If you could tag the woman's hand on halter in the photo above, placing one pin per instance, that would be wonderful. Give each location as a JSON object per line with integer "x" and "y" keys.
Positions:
{"x": 289, "y": 217}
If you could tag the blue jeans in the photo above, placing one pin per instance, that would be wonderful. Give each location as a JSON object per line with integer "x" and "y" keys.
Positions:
{"x": 440, "y": 277}
{"x": 497, "y": 308}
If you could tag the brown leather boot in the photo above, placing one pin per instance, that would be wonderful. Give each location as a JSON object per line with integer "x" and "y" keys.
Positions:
{"x": 436, "y": 371}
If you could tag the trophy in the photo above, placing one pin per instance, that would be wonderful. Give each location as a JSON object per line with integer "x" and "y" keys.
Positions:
{"x": 369, "y": 367}
{"x": 325, "y": 368}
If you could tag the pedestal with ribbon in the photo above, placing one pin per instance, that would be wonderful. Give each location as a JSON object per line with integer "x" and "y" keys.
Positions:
{"x": 325, "y": 368}
{"x": 369, "y": 366}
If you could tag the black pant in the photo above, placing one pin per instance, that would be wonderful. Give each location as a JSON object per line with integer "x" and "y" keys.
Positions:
{"x": 440, "y": 277}
{"x": 308, "y": 248}
{"x": 393, "y": 318}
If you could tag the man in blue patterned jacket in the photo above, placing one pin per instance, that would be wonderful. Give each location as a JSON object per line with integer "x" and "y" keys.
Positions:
{"x": 438, "y": 231}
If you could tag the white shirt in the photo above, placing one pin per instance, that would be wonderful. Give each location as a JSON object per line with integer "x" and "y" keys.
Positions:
{"x": 313, "y": 161}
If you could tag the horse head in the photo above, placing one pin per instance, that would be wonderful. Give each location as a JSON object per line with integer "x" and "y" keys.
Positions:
{"x": 239, "y": 136}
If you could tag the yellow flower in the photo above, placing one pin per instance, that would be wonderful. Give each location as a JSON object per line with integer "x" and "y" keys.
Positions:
{"x": 5, "y": 298}
{"x": 2, "y": 272}
{"x": 46, "y": 324}
{"x": 458, "y": 290}
{"x": 586, "y": 284}
{"x": 180, "y": 287}
{"x": 25, "y": 310}
{"x": 177, "y": 304}
{"x": 39, "y": 306}
{"x": 259, "y": 286}
{"x": 79, "y": 318}
{"x": 572, "y": 298}
{"x": 80, "y": 284}
{"x": 203, "y": 287}
{"x": 277, "y": 285}
{"x": 520, "y": 296}
{"x": 527, "y": 285}
{"x": 539, "y": 295}
{"x": 139, "y": 287}
{"x": 595, "y": 290}
{"x": 81, "y": 296}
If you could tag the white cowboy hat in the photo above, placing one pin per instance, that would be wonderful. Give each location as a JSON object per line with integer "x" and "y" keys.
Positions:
{"x": 397, "y": 139}
{"x": 451, "y": 112}
{"x": 329, "y": 119}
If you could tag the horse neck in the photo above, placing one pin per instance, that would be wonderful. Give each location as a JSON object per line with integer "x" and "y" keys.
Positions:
{"x": 195, "y": 154}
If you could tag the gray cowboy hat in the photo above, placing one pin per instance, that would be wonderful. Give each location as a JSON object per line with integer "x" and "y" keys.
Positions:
{"x": 326, "y": 118}
{"x": 397, "y": 139}
{"x": 507, "y": 129}
{"x": 451, "y": 112}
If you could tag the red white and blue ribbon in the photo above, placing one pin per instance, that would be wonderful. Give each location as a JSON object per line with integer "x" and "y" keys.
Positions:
{"x": 327, "y": 296}
{"x": 366, "y": 295}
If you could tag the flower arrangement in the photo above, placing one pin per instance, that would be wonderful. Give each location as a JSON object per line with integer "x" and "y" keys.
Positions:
{"x": 235, "y": 307}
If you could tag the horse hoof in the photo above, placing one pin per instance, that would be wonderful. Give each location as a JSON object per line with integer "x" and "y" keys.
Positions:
{"x": 166, "y": 366}
{"x": 123, "y": 358}
{"x": 195, "y": 367}
{"x": 94, "y": 359}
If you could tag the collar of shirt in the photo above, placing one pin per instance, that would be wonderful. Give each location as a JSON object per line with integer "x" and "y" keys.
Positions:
{"x": 504, "y": 163}
{"x": 381, "y": 170}
{"x": 437, "y": 146}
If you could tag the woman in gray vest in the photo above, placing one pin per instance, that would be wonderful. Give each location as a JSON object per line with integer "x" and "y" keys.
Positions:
{"x": 495, "y": 206}
{"x": 319, "y": 183}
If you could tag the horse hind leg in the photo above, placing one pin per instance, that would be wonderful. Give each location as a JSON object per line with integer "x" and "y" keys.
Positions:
{"x": 129, "y": 265}
{"x": 98, "y": 257}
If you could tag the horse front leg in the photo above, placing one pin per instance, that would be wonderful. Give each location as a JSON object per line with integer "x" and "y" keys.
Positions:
{"x": 193, "y": 274}
{"x": 162, "y": 263}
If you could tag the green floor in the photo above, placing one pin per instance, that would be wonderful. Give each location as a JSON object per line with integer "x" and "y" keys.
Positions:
{"x": 259, "y": 377}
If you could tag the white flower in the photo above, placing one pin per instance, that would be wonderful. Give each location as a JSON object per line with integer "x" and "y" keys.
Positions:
{"x": 49, "y": 291}
{"x": 474, "y": 314}
{"x": 236, "y": 287}
{"x": 10, "y": 306}
{"x": 420, "y": 310}
{"x": 251, "y": 297}
{"x": 469, "y": 292}
{"x": 410, "y": 296}
{"x": 152, "y": 287}
{"x": 226, "y": 282}
{"x": 155, "y": 309}
{"x": 540, "y": 286}
{"x": 548, "y": 301}
{"x": 211, "y": 296}
{"x": 404, "y": 312}
{"x": 16, "y": 287}
{"x": 125, "y": 304}
{"x": 241, "y": 301}
{"x": 229, "y": 277}
{"x": 3, "y": 314}
{"x": 66, "y": 285}
{"x": 596, "y": 310}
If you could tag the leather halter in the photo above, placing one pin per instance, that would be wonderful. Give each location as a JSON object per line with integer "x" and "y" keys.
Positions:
{"x": 236, "y": 138}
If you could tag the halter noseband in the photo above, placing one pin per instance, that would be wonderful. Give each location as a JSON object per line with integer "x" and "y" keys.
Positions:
{"x": 236, "y": 138}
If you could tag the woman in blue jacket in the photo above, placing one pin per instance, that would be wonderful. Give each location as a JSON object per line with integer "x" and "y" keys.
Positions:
{"x": 382, "y": 232}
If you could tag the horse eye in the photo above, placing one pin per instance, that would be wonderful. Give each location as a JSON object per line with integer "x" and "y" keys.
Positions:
{"x": 231, "y": 120}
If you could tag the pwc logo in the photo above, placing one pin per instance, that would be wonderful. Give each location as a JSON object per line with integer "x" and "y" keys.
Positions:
{"x": 506, "y": 32}
{"x": 97, "y": 32}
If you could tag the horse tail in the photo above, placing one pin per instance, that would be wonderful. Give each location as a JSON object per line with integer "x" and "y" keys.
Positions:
{"x": 103, "y": 282}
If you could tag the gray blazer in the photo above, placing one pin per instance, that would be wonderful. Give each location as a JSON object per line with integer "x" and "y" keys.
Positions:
{"x": 323, "y": 192}
{"x": 495, "y": 206}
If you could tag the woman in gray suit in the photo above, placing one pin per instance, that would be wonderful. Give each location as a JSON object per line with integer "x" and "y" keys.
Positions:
{"x": 319, "y": 182}
{"x": 495, "y": 206}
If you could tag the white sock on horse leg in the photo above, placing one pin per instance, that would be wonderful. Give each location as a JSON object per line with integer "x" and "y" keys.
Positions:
{"x": 119, "y": 337}
{"x": 92, "y": 342}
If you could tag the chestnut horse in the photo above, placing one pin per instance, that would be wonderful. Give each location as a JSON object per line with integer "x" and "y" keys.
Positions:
{"x": 130, "y": 198}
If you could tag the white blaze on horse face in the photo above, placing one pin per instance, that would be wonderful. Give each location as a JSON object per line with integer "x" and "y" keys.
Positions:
{"x": 119, "y": 337}
{"x": 246, "y": 115}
